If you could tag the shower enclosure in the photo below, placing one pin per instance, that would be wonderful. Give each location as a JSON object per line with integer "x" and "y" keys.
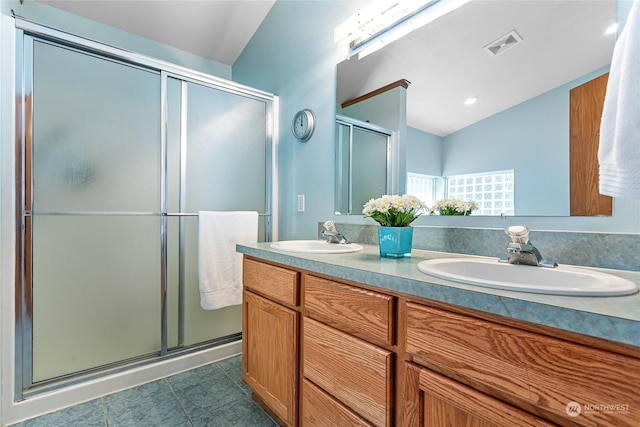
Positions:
{"x": 364, "y": 163}
{"x": 116, "y": 154}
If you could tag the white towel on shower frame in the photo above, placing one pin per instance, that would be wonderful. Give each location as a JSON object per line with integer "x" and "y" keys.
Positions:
{"x": 219, "y": 265}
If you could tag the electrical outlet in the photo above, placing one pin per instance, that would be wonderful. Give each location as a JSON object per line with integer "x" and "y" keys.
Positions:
{"x": 300, "y": 202}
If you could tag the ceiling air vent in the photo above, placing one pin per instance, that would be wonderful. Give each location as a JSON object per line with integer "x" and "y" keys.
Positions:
{"x": 503, "y": 44}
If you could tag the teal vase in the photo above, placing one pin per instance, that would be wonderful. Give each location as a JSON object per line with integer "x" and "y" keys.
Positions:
{"x": 395, "y": 242}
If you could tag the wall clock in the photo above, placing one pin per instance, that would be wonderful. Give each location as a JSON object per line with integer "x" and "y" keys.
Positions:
{"x": 303, "y": 125}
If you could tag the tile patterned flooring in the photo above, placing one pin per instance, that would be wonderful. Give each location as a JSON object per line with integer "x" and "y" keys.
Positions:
{"x": 212, "y": 395}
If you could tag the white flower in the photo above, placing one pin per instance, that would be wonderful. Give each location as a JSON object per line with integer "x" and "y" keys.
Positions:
{"x": 394, "y": 211}
{"x": 448, "y": 206}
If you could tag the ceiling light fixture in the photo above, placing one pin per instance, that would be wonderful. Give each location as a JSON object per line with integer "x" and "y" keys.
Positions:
{"x": 470, "y": 101}
{"x": 383, "y": 22}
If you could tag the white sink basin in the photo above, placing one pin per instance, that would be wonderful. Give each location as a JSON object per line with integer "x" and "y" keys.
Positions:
{"x": 315, "y": 247}
{"x": 562, "y": 280}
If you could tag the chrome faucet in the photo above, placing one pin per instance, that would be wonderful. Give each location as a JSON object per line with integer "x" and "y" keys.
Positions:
{"x": 521, "y": 251}
{"x": 332, "y": 235}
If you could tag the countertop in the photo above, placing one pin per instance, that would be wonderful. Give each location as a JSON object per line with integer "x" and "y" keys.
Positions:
{"x": 612, "y": 318}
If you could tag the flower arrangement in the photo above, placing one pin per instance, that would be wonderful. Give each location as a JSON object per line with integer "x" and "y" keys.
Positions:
{"x": 394, "y": 211}
{"x": 454, "y": 207}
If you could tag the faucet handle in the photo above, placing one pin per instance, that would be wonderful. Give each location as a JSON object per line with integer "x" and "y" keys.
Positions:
{"x": 329, "y": 225}
{"x": 518, "y": 234}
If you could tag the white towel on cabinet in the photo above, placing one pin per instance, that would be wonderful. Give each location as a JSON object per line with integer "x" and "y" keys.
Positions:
{"x": 619, "y": 149}
{"x": 219, "y": 265}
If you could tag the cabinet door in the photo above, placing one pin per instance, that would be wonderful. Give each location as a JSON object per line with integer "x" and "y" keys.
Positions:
{"x": 270, "y": 355}
{"x": 550, "y": 374}
{"x": 434, "y": 400}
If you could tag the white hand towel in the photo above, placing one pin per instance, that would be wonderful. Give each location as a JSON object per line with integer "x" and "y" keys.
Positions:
{"x": 219, "y": 265}
{"x": 619, "y": 149}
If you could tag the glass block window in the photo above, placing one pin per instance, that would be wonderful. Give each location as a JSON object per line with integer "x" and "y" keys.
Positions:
{"x": 492, "y": 191}
{"x": 422, "y": 186}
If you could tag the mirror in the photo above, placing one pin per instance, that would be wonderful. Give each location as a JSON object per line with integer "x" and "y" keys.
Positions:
{"x": 519, "y": 60}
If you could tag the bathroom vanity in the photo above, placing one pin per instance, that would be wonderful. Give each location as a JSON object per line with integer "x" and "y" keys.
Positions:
{"x": 353, "y": 339}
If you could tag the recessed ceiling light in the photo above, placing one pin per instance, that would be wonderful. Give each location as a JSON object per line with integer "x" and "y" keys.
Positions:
{"x": 470, "y": 101}
{"x": 611, "y": 29}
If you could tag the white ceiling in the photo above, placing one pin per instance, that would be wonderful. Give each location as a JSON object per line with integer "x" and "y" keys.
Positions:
{"x": 444, "y": 61}
{"x": 214, "y": 29}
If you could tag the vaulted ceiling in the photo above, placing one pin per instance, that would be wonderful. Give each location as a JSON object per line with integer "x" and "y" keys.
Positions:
{"x": 445, "y": 61}
{"x": 214, "y": 29}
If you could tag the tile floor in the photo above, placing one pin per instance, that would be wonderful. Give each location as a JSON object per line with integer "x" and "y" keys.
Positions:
{"x": 212, "y": 395}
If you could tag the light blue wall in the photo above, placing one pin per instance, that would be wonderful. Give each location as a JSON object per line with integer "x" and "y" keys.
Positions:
{"x": 294, "y": 56}
{"x": 424, "y": 152}
{"x": 388, "y": 109}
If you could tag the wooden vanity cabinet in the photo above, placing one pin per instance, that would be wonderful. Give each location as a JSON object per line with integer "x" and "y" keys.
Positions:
{"x": 562, "y": 382}
{"x": 324, "y": 352}
{"x": 345, "y": 330}
{"x": 270, "y": 338}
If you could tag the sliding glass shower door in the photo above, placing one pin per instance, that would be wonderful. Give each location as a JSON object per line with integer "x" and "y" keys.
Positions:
{"x": 94, "y": 207}
{"x": 216, "y": 149}
{"x": 115, "y": 160}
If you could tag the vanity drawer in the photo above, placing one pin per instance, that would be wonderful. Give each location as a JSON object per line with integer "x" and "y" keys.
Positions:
{"x": 356, "y": 373}
{"x": 534, "y": 369}
{"x": 271, "y": 281}
{"x": 363, "y": 313}
{"x": 320, "y": 409}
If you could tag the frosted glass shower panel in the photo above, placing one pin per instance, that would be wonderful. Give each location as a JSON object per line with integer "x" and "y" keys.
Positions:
{"x": 96, "y": 133}
{"x": 174, "y": 122}
{"x": 199, "y": 324}
{"x": 368, "y": 167}
{"x": 225, "y": 152}
{"x": 96, "y": 291}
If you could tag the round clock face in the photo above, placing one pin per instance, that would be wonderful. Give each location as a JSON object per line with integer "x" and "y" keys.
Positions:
{"x": 303, "y": 124}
